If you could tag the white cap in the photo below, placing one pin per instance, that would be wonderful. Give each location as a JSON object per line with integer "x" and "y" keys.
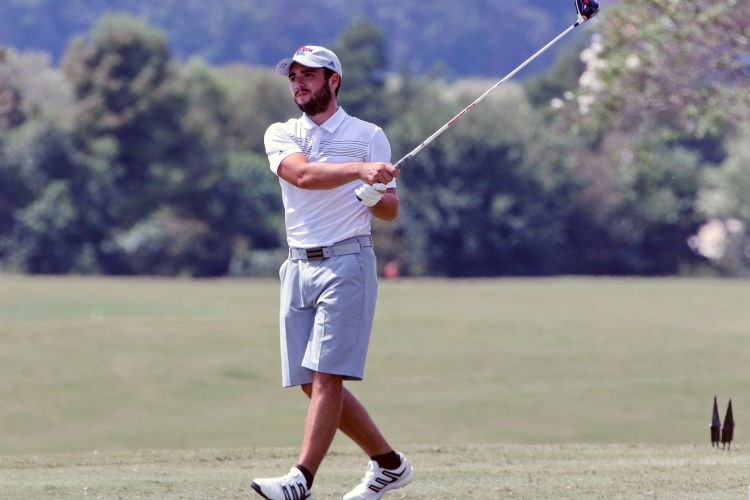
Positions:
{"x": 311, "y": 56}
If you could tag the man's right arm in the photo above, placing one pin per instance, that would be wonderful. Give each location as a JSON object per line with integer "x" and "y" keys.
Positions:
{"x": 296, "y": 170}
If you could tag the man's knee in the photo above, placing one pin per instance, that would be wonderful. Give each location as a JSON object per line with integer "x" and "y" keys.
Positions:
{"x": 326, "y": 383}
{"x": 329, "y": 379}
{"x": 322, "y": 382}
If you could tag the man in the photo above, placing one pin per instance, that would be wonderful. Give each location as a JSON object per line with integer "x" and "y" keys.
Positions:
{"x": 335, "y": 175}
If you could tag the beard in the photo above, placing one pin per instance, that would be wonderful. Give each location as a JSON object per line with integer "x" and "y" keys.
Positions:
{"x": 317, "y": 103}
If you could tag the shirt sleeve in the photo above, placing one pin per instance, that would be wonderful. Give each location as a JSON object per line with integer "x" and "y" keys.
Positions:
{"x": 279, "y": 144}
{"x": 380, "y": 150}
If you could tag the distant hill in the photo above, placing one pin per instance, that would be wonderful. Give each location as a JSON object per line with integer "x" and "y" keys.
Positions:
{"x": 456, "y": 39}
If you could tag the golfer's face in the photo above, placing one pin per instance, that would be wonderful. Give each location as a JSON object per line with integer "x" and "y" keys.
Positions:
{"x": 305, "y": 82}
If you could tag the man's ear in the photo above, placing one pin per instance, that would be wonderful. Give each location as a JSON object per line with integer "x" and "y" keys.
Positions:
{"x": 336, "y": 80}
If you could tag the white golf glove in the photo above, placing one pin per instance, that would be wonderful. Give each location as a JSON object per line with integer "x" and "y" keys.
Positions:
{"x": 370, "y": 195}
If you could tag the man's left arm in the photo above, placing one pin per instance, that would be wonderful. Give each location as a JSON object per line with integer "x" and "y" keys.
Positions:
{"x": 387, "y": 207}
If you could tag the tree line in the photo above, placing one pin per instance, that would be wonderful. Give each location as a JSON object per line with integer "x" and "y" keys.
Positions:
{"x": 421, "y": 35}
{"x": 629, "y": 156}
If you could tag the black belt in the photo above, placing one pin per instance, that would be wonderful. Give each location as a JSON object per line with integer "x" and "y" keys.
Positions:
{"x": 346, "y": 247}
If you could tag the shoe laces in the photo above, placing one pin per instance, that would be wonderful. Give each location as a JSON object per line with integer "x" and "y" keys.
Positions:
{"x": 292, "y": 479}
{"x": 370, "y": 474}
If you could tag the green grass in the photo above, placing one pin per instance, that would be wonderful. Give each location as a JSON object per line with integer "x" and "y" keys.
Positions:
{"x": 476, "y": 472}
{"x": 547, "y": 372}
{"x": 105, "y": 364}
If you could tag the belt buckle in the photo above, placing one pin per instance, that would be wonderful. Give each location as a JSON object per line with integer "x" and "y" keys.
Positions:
{"x": 314, "y": 253}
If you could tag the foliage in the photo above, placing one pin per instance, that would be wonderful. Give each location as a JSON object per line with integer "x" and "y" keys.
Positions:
{"x": 681, "y": 62}
{"x": 40, "y": 203}
{"x": 637, "y": 208}
{"x": 363, "y": 58}
{"x": 725, "y": 200}
{"x": 30, "y": 89}
{"x": 34, "y": 104}
{"x": 255, "y": 98}
{"x": 727, "y": 191}
{"x": 421, "y": 36}
{"x": 560, "y": 78}
{"x": 661, "y": 91}
{"x": 618, "y": 160}
{"x": 475, "y": 202}
{"x": 142, "y": 181}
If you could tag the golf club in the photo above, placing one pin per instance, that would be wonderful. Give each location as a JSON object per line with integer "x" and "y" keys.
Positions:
{"x": 586, "y": 9}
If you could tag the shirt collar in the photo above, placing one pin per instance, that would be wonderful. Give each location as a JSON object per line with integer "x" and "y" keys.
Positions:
{"x": 329, "y": 125}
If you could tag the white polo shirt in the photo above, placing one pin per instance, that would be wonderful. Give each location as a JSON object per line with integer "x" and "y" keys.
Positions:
{"x": 322, "y": 217}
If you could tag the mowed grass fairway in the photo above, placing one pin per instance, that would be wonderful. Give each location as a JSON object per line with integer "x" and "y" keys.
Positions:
{"x": 542, "y": 388}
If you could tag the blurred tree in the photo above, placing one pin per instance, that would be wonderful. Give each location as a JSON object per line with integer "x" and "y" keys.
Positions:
{"x": 46, "y": 234}
{"x": 249, "y": 194}
{"x": 663, "y": 84}
{"x": 683, "y": 62}
{"x": 476, "y": 203}
{"x": 138, "y": 164}
{"x": 421, "y": 35}
{"x": 560, "y": 78}
{"x": 146, "y": 178}
{"x": 636, "y": 206}
{"x": 209, "y": 222}
{"x": 361, "y": 49}
{"x": 727, "y": 190}
{"x": 256, "y": 98}
{"x": 252, "y": 197}
{"x": 45, "y": 239}
{"x": 31, "y": 88}
{"x": 725, "y": 202}
{"x": 36, "y": 157}
{"x": 127, "y": 113}
{"x": 150, "y": 138}
{"x": 175, "y": 234}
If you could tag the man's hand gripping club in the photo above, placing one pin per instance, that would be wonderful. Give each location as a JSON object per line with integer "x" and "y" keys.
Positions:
{"x": 375, "y": 177}
{"x": 370, "y": 195}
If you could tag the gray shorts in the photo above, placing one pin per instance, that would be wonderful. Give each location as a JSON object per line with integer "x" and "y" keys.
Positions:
{"x": 327, "y": 309}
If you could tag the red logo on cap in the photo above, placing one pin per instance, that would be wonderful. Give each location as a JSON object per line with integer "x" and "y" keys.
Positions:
{"x": 301, "y": 51}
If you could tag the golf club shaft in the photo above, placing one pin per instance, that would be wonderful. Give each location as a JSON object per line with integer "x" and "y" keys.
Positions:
{"x": 461, "y": 113}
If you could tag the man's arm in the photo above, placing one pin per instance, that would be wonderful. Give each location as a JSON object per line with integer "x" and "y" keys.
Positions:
{"x": 387, "y": 207}
{"x": 296, "y": 170}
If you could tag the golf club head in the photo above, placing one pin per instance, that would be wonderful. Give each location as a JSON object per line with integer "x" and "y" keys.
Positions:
{"x": 586, "y": 8}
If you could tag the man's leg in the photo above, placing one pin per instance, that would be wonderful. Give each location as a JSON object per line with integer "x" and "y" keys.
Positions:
{"x": 357, "y": 424}
{"x": 323, "y": 417}
{"x": 387, "y": 469}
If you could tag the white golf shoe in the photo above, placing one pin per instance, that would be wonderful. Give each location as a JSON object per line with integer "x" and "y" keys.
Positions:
{"x": 377, "y": 481}
{"x": 293, "y": 486}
